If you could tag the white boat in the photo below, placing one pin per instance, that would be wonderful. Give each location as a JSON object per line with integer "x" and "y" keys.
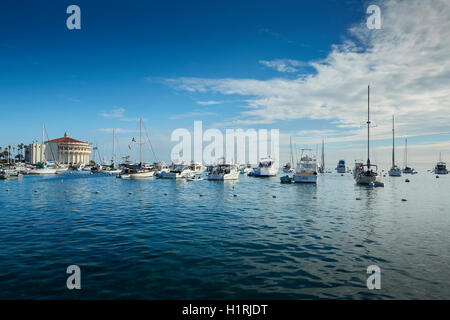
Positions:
{"x": 42, "y": 168}
{"x": 307, "y": 169}
{"x": 365, "y": 173}
{"x": 224, "y": 171}
{"x": 7, "y": 174}
{"x": 139, "y": 171}
{"x": 197, "y": 168}
{"x": 394, "y": 171}
{"x": 136, "y": 172}
{"x": 266, "y": 168}
{"x": 160, "y": 167}
{"x": 341, "y": 167}
{"x": 441, "y": 167}
{"x": 246, "y": 169}
{"x": 178, "y": 171}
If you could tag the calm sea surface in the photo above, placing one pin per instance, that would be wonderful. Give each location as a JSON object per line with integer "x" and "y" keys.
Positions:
{"x": 254, "y": 238}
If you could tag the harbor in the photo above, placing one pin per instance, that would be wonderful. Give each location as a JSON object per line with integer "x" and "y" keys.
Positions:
{"x": 251, "y": 238}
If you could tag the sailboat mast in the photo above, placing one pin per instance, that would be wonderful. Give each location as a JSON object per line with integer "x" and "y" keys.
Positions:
{"x": 42, "y": 145}
{"x": 323, "y": 156}
{"x": 114, "y": 146}
{"x": 393, "y": 143}
{"x": 140, "y": 141}
{"x": 406, "y": 151}
{"x": 292, "y": 154}
{"x": 368, "y": 126}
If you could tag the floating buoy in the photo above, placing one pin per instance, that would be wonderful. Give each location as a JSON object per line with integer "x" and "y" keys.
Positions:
{"x": 234, "y": 195}
{"x": 274, "y": 196}
{"x": 314, "y": 197}
{"x": 7, "y": 190}
{"x": 200, "y": 195}
{"x": 130, "y": 192}
{"x": 97, "y": 192}
{"x": 407, "y": 180}
{"x": 165, "y": 194}
{"x": 404, "y": 199}
{"x": 358, "y": 198}
{"x": 437, "y": 177}
{"x": 35, "y": 190}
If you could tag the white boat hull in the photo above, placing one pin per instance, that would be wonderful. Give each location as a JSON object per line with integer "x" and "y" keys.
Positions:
{"x": 305, "y": 178}
{"x": 42, "y": 171}
{"x": 395, "y": 173}
{"x": 265, "y": 172}
{"x": 177, "y": 175}
{"x": 226, "y": 176}
{"x": 361, "y": 178}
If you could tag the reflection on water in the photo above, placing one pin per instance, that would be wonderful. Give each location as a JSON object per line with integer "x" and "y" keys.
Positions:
{"x": 254, "y": 238}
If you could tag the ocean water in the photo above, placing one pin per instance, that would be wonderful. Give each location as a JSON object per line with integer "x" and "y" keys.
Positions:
{"x": 250, "y": 239}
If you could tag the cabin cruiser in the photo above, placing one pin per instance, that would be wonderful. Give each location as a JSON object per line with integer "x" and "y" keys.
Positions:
{"x": 441, "y": 167}
{"x": 307, "y": 169}
{"x": 341, "y": 167}
{"x": 160, "y": 167}
{"x": 178, "y": 171}
{"x": 224, "y": 171}
{"x": 197, "y": 168}
{"x": 267, "y": 167}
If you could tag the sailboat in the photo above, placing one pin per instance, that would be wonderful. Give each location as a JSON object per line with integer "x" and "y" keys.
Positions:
{"x": 394, "y": 171}
{"x": 407, "y": 170}
{"x": 137, "y": 171}
{"x": 288, "y": 166}
{"x": 112, "y": 168}
{"x": 42, "y": 168}
{"x": 364, "y": 174}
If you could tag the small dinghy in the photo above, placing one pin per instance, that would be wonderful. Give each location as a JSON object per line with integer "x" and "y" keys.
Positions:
{"x": 286, "y": 179}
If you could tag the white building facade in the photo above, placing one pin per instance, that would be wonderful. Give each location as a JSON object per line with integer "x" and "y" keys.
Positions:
{"x": 63, "y": 150}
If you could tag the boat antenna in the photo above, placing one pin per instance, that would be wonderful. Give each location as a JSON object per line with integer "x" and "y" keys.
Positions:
{"x": 368, "y": 126}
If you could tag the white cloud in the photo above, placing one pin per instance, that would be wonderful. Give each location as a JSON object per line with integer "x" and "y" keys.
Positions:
{"x": 284, "y": 65}
{"x": 117, "y": 130}
{"x": 407, "y": 63}
{"x": 115, "y": 113}
{"x": 208, "y": 103}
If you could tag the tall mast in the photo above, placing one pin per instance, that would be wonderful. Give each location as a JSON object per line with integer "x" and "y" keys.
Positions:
{"x": 292, "y": 154}
{"x": 42, "y": 145}
{"x": 368, "y": 126}
{"x": 323, "y": 156}
{"x": 114, "y": 146}
{"x": 140, "y": 140}
{"x": 393, "y": 145}
{"x": 406, "y": 151}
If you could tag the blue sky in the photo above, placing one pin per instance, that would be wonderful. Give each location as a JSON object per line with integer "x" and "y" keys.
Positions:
{"x": 173, "y": 62}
